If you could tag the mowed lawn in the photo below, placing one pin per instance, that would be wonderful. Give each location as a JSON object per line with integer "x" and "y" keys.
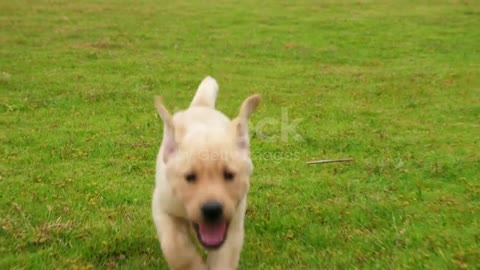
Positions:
{"x": 395, "y": 85}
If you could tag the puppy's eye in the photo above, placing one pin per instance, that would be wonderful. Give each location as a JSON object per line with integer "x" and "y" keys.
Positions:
{"x": 191, "y": 177}
{"x": 228, "y": 175}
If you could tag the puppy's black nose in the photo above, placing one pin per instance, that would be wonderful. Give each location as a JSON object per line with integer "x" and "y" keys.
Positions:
{"x": 212, "y": 211}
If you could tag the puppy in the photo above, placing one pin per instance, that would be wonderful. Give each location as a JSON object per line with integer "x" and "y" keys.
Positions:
{"x": 202, "y": 179}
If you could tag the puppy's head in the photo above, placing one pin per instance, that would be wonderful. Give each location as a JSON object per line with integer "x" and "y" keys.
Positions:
{"x": 209, "y": 170}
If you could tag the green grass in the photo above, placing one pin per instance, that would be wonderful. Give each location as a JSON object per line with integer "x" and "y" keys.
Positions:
{"x": 393, "y": 84}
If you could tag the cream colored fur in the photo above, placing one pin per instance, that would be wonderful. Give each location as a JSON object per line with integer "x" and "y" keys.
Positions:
{"x": 205, "y": 141}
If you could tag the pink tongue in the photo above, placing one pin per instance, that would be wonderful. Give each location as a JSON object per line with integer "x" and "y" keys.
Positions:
{"x": 212, "y": 234}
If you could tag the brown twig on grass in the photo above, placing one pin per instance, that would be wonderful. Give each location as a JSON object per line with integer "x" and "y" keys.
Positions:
{"x": 323, "y": 161}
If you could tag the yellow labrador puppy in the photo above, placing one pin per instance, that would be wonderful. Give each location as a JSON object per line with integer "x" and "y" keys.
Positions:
{"x": 202, "y": 179}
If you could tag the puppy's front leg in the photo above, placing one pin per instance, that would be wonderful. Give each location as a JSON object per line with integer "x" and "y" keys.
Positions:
{"x": 177, "y": 247}
{"x": 228, "y": 256}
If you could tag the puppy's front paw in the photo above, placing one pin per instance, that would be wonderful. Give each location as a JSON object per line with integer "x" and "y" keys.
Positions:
{"x": 199, "y": 266}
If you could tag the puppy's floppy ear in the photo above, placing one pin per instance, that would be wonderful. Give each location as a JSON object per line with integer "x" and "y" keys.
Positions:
{"x": 169, "y": 144}
{"x": 241, "y": 122}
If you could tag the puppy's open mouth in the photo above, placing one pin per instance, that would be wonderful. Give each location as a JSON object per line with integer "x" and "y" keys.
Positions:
{"x": 211, "y": 235}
